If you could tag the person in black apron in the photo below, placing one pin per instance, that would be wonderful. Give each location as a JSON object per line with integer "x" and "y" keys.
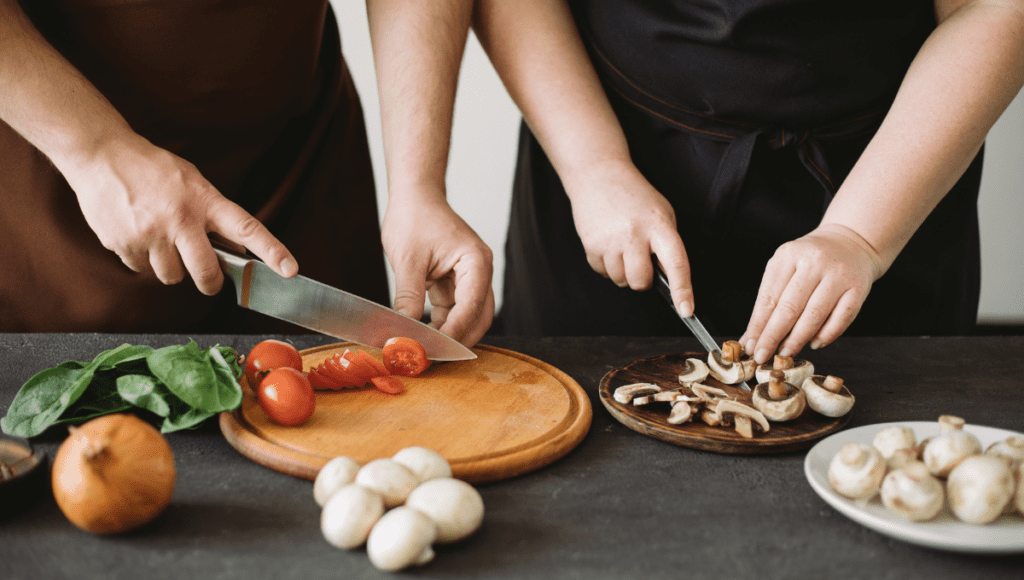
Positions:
{"x": 747, "y": 117}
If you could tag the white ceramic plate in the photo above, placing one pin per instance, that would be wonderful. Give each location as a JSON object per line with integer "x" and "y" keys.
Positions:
{"x": 945, "y": 532}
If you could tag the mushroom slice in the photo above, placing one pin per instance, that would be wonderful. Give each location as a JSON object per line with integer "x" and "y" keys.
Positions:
{"x": 778, "y": 399}
{"x": 731, "y": 366}
{"x": 695, "y": 371}
{"x": 745, "y": 419}
{"x": 979, "y": 488}
{"x": 913, "y": 492}
{"x": 856, "y": 471}
{"x": 627, "y": 393}
{"x": 667, "y": 396}
{"x": 796, "y": 371}
{"x": 644, "y": 400}
{"x": 708, "y": 393}
{"x": 681, "y": 413}
{"x": 827, "y": 395}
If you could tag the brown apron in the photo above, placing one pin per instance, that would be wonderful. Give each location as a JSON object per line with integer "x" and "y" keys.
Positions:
{"x": 257, "y": 95}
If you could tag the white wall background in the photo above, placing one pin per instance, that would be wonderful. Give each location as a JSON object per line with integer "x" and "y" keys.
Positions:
{"x": 483, "y": 155}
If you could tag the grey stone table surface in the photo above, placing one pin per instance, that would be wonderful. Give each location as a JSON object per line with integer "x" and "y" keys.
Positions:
{"x": 621, "y": 505}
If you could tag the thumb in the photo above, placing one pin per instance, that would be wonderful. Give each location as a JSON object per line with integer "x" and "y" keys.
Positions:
{"x": 410, "y": 292}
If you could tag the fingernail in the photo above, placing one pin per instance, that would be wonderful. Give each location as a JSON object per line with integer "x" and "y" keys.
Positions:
{"x": 784, "y": 352}
{"x": 686, "y": 309}
{"x": 762, "y": 356}
{"x": 815, "y": 344}
{"x": 749, "y": 347}
{"x": 289, "y": 267}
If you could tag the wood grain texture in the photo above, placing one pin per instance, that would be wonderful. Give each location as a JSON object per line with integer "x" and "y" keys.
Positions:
{"x": 501, "y": 415}
{"x": 651, "y": 419}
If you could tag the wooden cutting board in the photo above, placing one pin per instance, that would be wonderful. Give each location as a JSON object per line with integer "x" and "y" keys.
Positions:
{"x": 498, "y": 416}
{"x": 651, "y": 419}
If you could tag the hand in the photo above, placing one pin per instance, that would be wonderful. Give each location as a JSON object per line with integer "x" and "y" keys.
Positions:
{"x": 154, "y": 210}
{"x": 812, "y": 289}
{"x": 433, "y": 252}
{"x": 623, "y": 221}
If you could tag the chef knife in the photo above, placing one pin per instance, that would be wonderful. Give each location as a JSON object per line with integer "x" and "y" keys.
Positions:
{"x": 691, "y": 322}
{"x": 330, "y": 311}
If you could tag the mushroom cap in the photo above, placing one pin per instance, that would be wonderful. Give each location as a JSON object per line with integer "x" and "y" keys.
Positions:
{"x": 789, "y": 407}
{"x": 1018, "y": 476}
{"x": 979, "y": 488}
{"x": 888, "y": 440}
{"x": 695, "y": 371}
{"x": 728, "y": 410}
{"x": 796, "y": 375}
{"x": 1011, "y": 449}
{"x": 913, "y": 492}
{"x": 455, "y": 506}
{"x": 825, "y": 401}
{"x": 856, "y": 471}
{"x": 392, "y": 480}
{"x": 336, "y": 473}
{"x": 349, "y": 514}
{"x": 400, "y": 539}
{"x": 944, "y": 452}
{"x": 425, "y": 464}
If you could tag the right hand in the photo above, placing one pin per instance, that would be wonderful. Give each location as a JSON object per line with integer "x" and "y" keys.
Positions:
{"x": 154, "y": 210}
{"x": 623, "y": 221}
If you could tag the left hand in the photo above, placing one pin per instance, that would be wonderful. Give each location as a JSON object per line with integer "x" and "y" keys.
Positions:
{"x": 812, "y": 289}
{"x": 435, "y": 253}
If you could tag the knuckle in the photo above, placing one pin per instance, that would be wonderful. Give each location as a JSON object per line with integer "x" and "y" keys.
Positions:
{"x": 248, "y": 227}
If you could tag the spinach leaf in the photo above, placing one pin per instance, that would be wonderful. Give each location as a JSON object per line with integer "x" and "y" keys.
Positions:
{"x": 44, "y": 397}
{"x": 145, "y": 392}
{"x": 101, "y": 398}
{"x": 189, "y": 373}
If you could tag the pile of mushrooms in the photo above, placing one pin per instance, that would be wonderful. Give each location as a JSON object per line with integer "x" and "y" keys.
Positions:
{"x": 786, "y": 387}
{"x": 399, "y": 507}
{"x": 916, "y": 479}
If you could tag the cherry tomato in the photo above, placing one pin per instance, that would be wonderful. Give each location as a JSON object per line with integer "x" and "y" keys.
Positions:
{"x": 388, "y": 383}
{"x": 269, "y": 355}
{"x": 287, "y": 396}
{"x": 404, "y": 356}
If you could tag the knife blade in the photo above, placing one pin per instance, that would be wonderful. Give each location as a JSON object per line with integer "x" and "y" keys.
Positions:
{"x": 691, "y": 322}
{"x": 328, "y": 310}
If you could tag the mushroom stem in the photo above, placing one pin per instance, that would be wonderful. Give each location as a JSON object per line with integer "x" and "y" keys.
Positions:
{"x": 949, "y": 423}
{"x": 833, "y": 384}
{"x": 777, "y": 386}
{"x": 732, "y": 351}
{"x": 782, "y": 362}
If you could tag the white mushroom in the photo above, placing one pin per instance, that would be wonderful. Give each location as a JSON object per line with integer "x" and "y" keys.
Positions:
{"x": 778, "y": 399}
{"x": 681, "y": 413}
{"x": 796, "y": 371}
{"x": 425, "y": 464}
{"x": 979, "y": 488}
{"x": 332, "y": 476}
{"x": 894, "y": 438}
{"x": 349, "y": 515}
{"x": 827, "y": 395}
{"x": 730, "y": 366}
{"x": 901, "y": 457}
{"x": 953, "y": 445}
{"x": 1011, "y": 449}
{"x": 856, "y": 471}
{"x": 401, "y": 538}
{"x": 695, "y": 371}
{"x": 454, "y": 506}
{"x": 627, "y": 393}
{"x": 1018, "y": 475}
{"x": 744, "y": 419}
{"x": 708, "y": 394}
{"x": 392, "y": 480}
{"x": 913, "y": 492}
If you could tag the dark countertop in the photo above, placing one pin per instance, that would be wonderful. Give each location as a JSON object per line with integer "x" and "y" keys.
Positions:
{"x": 621, "y": 505}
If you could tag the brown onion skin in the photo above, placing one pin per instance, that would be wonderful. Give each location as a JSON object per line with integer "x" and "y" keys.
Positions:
{"x": 127, "y": 484}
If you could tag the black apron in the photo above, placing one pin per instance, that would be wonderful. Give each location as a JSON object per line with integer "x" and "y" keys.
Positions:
{"x": 747, "y": 117}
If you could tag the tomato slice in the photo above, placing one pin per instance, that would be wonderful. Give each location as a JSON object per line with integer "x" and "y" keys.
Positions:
{"x": 351, "y": 361}
{"x": 405, "y": 356}
{"x": 367, "y": 359}
{"x": 388, "y": 383}
{"x": 320, "y": 381}
{"x": 337, "y": 368}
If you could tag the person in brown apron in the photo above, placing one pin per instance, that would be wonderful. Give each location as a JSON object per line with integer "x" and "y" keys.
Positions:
{"x": 248, "y": 106}
{"x": 747, "y": 117}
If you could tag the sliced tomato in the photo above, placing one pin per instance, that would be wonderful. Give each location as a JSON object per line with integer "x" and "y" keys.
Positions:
{"x": 367, "y": 359}
{"x": 389, "y": 384}
{"x": 320, "y": 381}
{"x": 356, "y": 365}
{"x": 338, "y": 369}
{"x": 405, "y": 356}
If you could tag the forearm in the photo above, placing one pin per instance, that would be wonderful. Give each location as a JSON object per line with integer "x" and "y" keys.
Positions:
{"x": 964, "y": 77}
{"x": 537, "y": 51}
{"x": 417, "y": 49}
{"x": 47, "y": 100}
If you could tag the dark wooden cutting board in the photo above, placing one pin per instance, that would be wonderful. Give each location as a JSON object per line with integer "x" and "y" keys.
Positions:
{"x": 651, "y": 419}
{"x": 498, "y": 416}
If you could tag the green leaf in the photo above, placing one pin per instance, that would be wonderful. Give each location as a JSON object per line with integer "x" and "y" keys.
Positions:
{"x": 101, "y": 398}
{"x": 189, "y": 373}
{"x": 145, "y": 392}
{"x": 44, "y": 397}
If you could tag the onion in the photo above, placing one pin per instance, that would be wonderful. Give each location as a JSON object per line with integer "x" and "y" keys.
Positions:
{"x": 113, "y": 474}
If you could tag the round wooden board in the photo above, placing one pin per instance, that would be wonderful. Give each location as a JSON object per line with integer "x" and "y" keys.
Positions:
{"x": 498, "y": 416}
{"x": 651, "y": 420}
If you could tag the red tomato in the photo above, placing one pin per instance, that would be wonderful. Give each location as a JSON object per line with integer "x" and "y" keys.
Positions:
{"x": 269, "y": 355}
{"x": 389, "y": 384}
{"x": 320, "y": 381}
{"x": 287, "y": 396}
{"x": 367, "y": 360}
{"x": 404, "y": 356}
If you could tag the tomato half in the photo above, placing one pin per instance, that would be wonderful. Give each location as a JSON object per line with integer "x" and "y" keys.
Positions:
{"x": 287, "y": 396}
{"x": 269, "y": 355}
{"x": 405, "y": 356}
{"x": 389, "y": 384}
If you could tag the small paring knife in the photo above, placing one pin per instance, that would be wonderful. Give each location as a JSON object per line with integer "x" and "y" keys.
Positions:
{"x": 327, "y": 310}
{"x": 691, "y": 322}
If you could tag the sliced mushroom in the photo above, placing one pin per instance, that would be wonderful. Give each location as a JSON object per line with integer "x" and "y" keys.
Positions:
{"x": 695, "y": 371}
{"x": 979, "y": 488}
{"x": 856, "y": 471}
{"x": 681, "y": 413}
{"x": 744, "y": 419}
{"x": 708, "y": 393}
{"x": 944, "y": 452}
{"x": 827, "y": 395}
{"x": 913, "y": 492}
{"x": 778, "y": 399}
{"x": 894, "y": 438}
{"x": 667, "y": 396}
{"x": 627, "y": 393}
{"x": 644, "y": 400}
{"x": 730, "y": 366}
{"x": 796, "y": 371}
